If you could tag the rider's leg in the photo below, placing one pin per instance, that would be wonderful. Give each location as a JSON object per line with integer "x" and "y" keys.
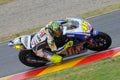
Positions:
{"x": 40, "y": 53}
{"x": 55, "y": 58}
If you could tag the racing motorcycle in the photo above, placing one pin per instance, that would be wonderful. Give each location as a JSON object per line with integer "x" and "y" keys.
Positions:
{"x": 84, "y": 38}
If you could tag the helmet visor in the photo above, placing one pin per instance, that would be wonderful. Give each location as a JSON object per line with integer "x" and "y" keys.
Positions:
{"x": 58, "y": 33}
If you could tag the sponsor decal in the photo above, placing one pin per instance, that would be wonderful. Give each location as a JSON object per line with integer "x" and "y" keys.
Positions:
{"x": 70, "y": 35}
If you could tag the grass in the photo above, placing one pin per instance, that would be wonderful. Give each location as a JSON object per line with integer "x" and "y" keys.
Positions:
{"x": 5, "y": 1}
{"x": 108, "y": 69}
{"x": 85, "y": 15}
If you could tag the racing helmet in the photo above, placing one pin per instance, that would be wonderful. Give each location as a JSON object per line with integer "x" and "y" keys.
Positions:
{"x": 55, "y": 28}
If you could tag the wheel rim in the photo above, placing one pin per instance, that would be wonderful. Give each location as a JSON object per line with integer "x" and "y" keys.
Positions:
{"x": 100, "y": 42}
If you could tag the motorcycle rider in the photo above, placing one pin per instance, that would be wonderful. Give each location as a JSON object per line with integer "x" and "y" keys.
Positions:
{"x": 45, "y": 37}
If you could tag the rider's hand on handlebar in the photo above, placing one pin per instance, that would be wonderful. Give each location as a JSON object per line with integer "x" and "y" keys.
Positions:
{"x": 68, "y": 44}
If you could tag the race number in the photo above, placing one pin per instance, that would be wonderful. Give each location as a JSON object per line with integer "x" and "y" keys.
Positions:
{"x": 84, "y": 25}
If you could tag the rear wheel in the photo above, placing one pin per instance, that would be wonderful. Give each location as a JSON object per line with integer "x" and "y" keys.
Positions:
{"x": 100, "y": 42}
{"x": 28, "y": 58}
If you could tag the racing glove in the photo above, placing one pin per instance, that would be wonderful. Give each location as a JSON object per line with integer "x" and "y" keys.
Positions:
{"x": 68, "y": 44}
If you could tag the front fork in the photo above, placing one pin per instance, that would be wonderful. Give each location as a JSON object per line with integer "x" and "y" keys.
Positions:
{"x": 91, "y": 40}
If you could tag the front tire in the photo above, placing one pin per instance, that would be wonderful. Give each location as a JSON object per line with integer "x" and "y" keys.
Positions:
{"x": 101, "y": 42}
{"x": 28, "y": 58}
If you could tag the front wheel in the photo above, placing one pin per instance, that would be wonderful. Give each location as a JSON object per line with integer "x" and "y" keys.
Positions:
{"x": 28, "y": 58}
{"x": 100, "y": 42}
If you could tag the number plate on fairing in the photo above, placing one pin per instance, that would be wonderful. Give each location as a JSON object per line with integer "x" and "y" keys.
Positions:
{"x": 85, "y": 26}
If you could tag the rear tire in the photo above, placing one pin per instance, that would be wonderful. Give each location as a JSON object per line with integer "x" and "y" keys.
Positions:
{"x": 28, "y": 58}
{"x": 102, "y": 42}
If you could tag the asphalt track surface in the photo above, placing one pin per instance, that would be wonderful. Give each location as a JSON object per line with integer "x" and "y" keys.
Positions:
{"x": 109, "y": 23}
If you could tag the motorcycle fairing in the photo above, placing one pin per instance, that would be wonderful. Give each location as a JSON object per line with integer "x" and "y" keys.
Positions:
{"x": 26, "y": 39}
{"x": 82, "y": 31}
